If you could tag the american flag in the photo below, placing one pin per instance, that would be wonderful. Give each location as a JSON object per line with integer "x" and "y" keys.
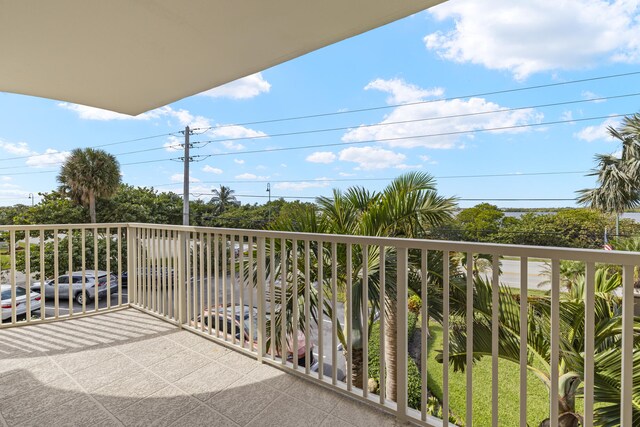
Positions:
{"x": 607, "y": 246}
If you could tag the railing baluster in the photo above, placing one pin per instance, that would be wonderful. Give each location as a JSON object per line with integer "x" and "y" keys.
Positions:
{"x": 202, "y": 280}
{"x": 307, "y": 310}
{"x": 555, "y": 341}
{"x": 225, "y": 284}
{"x": 216, "y": 283}
{"x": 589, "y": 350}
{"x": 334, "y": 308}
{"x": 234, "y": 285}
{"x": 119, "y": 242}
{"x": 524, "y": 310}
{"x": 283, "y": 301}
{"x": 626, "y": 386}
{"x": 12, "y": 254}
{"x": 321, "y": 319}
{"x": 56, "y": 272}
{"x": 190, "y": 255}
{"x": 469, "y": 346}
{"x": 241, "y": 286}
{"x": 261, "y": 281}
{"x": 365, "y": 317}
{"x": 401, "y": 333}
{"x": 70, "y": 266}
{"x": 382, "y": 321}
{"x": 295, "y": 307}
{"x": 96, "y": 294}
{"x": 495, "y": 325}
{"x": 424, "y": 332}
{"x": 349, "y": 316}
{"x": 272, "y": 298}
{"x": 43, "y": 307}
{"x": 108, "y": 260}
{"x": 27, "y": 271}
{"x": 210, "y": 285}
{"x": 445, "y": 338}
{"x": 250, "y": 284}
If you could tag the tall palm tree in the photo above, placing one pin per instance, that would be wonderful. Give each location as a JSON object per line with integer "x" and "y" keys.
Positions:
{"x": 618, "y": 177}
{"x": 88, "y": 174}
{"x": 223, "y": 198}
{"x": 406, "y": 208}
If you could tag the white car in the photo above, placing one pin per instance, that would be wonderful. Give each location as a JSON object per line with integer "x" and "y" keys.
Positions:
{"x": 21, "y": 301}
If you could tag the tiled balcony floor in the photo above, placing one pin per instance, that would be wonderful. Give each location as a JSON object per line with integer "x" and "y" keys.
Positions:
{"x": 128, "y": 368}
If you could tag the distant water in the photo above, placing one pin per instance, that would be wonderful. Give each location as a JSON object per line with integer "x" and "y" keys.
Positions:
{"x": 630, "y": 215}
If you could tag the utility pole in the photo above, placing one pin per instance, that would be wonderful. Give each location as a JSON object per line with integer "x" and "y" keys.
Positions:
{"x": 185, "y": 184}
{"x": 32, "y": 198}
{"x": 269, "y": 191}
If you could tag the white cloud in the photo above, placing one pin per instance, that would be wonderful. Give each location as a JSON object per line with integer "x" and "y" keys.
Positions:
{"x": 178, "y": 177}
{"x": 597, "y": 132}
{"x": 460, "y": 116}
{"x": 91, "y": 113}
{"x": 371, "y": 158}
{"x": 300, "y": 186}
{"x": 50, "y": 157}
{"x": 344, "y": 174}
{"x": 17, "y": 148}
{"x": 238, "y": 161}
{"x": 5, "y": 178}
{"x": 173, "y": 144}
{"x": 590, "y": 95}
{"x": 567, "y": 115}
{"x": 244, "y": 88}
{"x": 321, "y": 157}
{"x": 402, "y": 92}
{"x": 529, "y": 37}
{"x": 246, "y": 176}
{"x": 211, "y": 169}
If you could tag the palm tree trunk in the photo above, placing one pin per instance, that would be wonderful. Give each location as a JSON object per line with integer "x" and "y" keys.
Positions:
{"x": 357, "y": 370}
{"x": 391, "y": 351}
{"x": 92, "y": 207}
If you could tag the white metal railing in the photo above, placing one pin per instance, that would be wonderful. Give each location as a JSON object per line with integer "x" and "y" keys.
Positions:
{"x": 55, "y": 272}
{"x": 190, "y": 275}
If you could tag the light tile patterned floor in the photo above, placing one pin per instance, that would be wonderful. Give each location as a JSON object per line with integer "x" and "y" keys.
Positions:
{"x": 128, "y": 368}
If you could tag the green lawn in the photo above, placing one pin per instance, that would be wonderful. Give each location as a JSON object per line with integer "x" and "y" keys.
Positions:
{"x": 508, "y": 388}
{"x": 4, "y": 262}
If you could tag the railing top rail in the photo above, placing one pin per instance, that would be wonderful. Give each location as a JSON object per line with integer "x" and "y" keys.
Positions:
{"x": 587, "y": 255}
{"x": 48, "y": 227}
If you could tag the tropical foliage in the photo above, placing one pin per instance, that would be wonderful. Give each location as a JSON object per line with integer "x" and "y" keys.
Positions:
{"x": 88, "y": 175}
{"x": 608, "y": 336}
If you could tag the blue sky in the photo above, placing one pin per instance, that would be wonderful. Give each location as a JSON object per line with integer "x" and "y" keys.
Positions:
{"x": 434, "y": 60}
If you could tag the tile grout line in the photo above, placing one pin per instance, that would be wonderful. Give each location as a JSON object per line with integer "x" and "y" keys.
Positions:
{"x": 86, "y": 393}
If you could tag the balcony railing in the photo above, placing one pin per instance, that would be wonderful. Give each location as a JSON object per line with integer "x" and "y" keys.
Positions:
{"x": 304, "y": 302}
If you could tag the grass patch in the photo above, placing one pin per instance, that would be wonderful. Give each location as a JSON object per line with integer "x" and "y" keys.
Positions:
{"x": 516, "y": 258}
{"x": 5, "y": 261}
{"x": 508, "y": 388}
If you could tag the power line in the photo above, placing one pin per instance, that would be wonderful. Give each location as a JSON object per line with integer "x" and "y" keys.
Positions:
{"x": 92, "y": 146}
{"x": 400, "y": 138}
{"x": 451, "y": 116}
{"x": 493, "y": 175}
{"x": 313, "y": 131}
{"x": 359, "y": 110}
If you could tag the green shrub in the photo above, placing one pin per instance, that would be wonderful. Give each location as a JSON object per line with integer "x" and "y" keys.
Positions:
{"x": 412, "y": 321}
{"x": 414, "y": 304}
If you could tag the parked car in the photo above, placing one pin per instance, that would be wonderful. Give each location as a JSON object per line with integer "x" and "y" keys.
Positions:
{"x": 21, "y": 301}
{"x": 168, "y": 274}
{"x": 76, "y": 286}
{"x": 238, "y": 322}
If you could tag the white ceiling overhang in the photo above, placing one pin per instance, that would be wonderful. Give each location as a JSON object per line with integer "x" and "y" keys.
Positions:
{"x": 131, "y": 56}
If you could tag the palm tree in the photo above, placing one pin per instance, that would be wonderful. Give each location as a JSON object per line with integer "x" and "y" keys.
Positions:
{"x": 88, "y": 174}
{"x": 608, "y": 355}
{"x": 618, "y": 177}
{"x": 406, "y": 208}
{"x": 223, "y": 198}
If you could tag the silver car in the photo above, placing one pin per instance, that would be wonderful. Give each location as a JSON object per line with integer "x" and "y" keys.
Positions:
{"x": 21, "y": 301}
{"x": 90, "y": 282}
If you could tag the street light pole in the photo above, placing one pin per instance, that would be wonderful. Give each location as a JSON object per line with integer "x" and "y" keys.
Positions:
{"x": 32, "y": 198}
